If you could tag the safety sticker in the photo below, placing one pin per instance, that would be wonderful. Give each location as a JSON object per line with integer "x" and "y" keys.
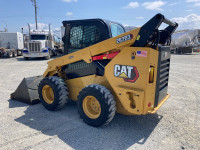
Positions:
{"x": 138, "y": 37}
{"x": 141, "y": 54}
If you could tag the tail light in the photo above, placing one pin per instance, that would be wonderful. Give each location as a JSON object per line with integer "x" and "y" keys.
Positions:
{"x": 151, "y": 74}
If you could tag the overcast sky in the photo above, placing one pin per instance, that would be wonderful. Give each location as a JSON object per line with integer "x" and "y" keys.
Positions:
{"x": 17, "y": 13}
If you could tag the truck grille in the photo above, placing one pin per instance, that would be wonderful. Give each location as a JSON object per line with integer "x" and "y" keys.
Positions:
{"x": 34, "y": 47}
{"x": 162, "y": 74}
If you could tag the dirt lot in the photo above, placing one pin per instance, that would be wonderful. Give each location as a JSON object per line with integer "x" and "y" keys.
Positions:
{"x": 175, "y": 126}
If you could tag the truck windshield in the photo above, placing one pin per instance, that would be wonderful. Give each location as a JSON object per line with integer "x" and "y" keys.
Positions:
{"x": 38, "y": 37}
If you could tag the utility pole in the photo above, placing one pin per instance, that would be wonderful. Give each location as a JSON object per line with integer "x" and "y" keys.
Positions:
{"x": 35, "y": 5}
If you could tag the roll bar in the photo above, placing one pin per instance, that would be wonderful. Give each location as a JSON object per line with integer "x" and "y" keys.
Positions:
{"x": 161, "y": 18}
{"x": 169, "y": 22}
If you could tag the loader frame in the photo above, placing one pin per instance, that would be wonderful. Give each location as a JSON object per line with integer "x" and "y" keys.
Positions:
{"x": 133, "y": 66}
{"x": 137, "y": 98}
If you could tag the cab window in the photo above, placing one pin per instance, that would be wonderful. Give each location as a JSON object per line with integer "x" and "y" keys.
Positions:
{"x": 37, "y": 37}
{"x": 116, "y": 29}
{"x": 83, "y": 36}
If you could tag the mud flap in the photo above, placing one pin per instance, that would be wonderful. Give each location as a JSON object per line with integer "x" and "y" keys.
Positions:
{"x": 27, "y": 91}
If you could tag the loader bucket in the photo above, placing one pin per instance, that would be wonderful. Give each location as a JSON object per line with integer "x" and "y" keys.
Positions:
{"x": 27, "y": 91}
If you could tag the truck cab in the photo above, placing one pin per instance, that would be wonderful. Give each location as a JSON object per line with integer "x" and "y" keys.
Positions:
{"x": 40, "y": 44}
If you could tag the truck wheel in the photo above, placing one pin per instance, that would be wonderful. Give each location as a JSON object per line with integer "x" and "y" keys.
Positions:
{"x": 178, "y": 51}
{"x": 55, "y": 53}
{"x": 14, "y": 54}
{"x": 53, "y": 93}
{"x": 26, "y": 58}
{"x": 10, "y": 54}
{"x": 19, "y": 53}
{"x": 96, "y": 105}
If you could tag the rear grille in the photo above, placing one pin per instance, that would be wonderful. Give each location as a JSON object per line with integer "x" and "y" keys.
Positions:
{"x": 34, "y": 47}
{"x": 162, "y": 74}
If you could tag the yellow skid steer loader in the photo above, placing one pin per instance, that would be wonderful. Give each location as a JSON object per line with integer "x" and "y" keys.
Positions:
{"x": 106, "y": 70}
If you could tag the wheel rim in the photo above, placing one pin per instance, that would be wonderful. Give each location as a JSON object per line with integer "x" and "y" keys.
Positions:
{"x": 91, "y": 107}
{"x": 48, "y": 94}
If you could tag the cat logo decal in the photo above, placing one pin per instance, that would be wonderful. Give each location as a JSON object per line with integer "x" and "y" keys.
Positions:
{"x": 128, "y": 73}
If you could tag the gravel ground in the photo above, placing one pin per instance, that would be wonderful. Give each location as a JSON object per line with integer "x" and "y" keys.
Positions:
{"x": 175, "y": 126}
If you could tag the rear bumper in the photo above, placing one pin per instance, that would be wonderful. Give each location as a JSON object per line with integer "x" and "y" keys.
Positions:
{"x": 35, "y": 54}
{"x": 159, "y": 105}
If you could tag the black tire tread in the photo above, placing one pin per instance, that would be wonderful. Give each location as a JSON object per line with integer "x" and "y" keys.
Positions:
{"x": 109, "y": 100}
{"x": 10, "y": 54}
{"x": 14, "y": 53}
{"x": 61, "y": 90}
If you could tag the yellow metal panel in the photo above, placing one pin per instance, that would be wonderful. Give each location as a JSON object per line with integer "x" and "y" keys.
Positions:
{"x": 77, "y": 84}
{"x": 130, "y": 98}
{"x": 143, "y": 92}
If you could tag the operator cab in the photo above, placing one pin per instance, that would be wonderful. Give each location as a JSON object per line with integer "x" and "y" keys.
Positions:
{"x": 80, "y": 34}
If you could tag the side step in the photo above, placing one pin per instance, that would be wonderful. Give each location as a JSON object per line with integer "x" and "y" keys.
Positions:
{"x": 27, "y": 91}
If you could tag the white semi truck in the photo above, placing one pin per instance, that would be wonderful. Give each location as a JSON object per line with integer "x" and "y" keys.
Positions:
{"x": 11, "y": 44}
{"x": 41, "y": 43}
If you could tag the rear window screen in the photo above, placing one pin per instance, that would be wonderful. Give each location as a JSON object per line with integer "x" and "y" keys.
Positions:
{"x": 83, "y": 36}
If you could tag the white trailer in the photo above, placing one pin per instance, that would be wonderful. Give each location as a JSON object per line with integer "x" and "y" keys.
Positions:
{"x": 185, "y": 40}
{"x": 11, "y": 44}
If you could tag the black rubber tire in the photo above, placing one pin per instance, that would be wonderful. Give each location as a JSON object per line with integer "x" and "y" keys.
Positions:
{"x": 19, "y": 53}
{"x": 60, "y": 92}
{"x": 106, "y": 100}
{"x": 179, "y": 51}
{"x": 55, "y": 53}
{"x": 10, "y": 54}
{"x": 176, "y": 51}
{"x": 50, "y": 52}
{"x": 14, "y": 54}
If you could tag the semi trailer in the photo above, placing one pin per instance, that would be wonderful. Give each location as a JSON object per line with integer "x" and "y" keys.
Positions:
{"x": 11, "y": 44}
{"x": 184, "y": 41}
